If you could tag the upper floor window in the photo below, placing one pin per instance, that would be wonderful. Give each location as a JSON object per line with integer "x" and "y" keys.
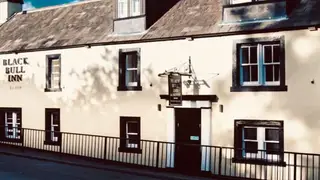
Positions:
{"x": 53, "y": 73}
{"x": 129, "y": 69}
{"x": 129, "y": 8}
{"x": 259, "y": 140}
{"x": 259, "y": 65}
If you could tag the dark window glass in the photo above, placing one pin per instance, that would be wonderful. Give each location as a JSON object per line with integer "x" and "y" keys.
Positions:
{"x": 133, "y": 139}
{"x": 250, "y": 133}
{"x": 251, "y": 147}
{"x": 132, "y": 127}
{"x": 273, "y": 148}
{"x": 254, "y": 73}
{"x": 276, "y": 53}
{"x": 267, "y": 54}
{"x": 253, "y": 55}
{"x": 246, "y": 73}
{"x": 272, "y": 134}
{"x": 276, "y": 72}
{"x": 269, "y": 72}
{"x": 245, "y": 55}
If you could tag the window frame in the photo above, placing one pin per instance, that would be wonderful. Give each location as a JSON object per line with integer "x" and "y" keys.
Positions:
{"x": 3, "y": 134}
{"x": 122, "y": 83}
{"x": 236, "y": 69}
{"x": 49, "y": 135}
{"x": 129, "y": 13}
{"x": 124, "y": 120}
{"x": 240, "y": 124}
{"x": 229, "y": 3}
{"x": 49, "y": 59}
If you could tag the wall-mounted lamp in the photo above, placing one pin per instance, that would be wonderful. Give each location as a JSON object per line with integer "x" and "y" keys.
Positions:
{"x": 312, "y": 81}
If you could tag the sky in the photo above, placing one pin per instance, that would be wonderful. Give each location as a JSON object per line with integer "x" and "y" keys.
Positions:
{"x": 32, "y": 4}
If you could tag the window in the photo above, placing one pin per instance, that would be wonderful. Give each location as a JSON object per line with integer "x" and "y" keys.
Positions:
{"x": 129, "y": 8}
{"x": 259, "y": 141}
{"x": 52, "y": 126}
{"x": 259, "y": 65}
{"x": 130, "y": 134}
{"x": 11, "y": 123}
{"x": 53, "y": 73}
{"x": 129, "y": 70}
{"x": 245, "y": 1}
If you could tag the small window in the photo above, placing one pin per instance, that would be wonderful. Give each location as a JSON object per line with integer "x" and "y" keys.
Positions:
{"x": 259, "y": 141}
{"x": 52, "y": 126}
{"x": 130, "y": 134}
{"x": 259, "y": 66}
{"x": 129, "y": 70}
{"x": 129, "y": 8}
{"x": 53, "y": 73}
{"x": 11, "y": 122}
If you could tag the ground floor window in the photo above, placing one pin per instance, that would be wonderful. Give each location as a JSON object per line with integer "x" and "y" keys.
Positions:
{"x": 52, "y": 126}
{"x": 130, "y": 134}
{"x": 11, "y": 124}
{"x": 258, "y": 141}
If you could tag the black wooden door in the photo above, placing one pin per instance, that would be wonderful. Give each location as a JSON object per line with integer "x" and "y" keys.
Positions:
{"x": 188, "y": 139}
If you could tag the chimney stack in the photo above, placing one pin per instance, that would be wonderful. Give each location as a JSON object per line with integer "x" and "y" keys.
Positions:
{"x": 8, "y": 8}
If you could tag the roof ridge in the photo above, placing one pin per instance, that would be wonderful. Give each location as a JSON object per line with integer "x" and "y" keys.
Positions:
{"x": 75, "y": 3}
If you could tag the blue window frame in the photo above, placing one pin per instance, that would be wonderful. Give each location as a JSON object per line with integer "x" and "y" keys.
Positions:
{"x": 260, "y": 65}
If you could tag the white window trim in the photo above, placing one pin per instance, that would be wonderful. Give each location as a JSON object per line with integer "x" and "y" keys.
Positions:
{"x": 130, "y": 145}
{"x": 261, "y": 65}
{"x": 15, "y": 125}
{"x": 261, "y": 139}
{"x": 52, "y": 125}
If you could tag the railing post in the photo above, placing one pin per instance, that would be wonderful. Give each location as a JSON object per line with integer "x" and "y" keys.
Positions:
{"x": 22, "y": 138}
{"x": 157, "y": 159}
{"x": 295, "y": 166}
{"x": 220, "y": 159}
{"x": 105, "y": 148}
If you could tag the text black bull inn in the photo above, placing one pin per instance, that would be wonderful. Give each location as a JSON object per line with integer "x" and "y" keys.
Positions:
{"x": 15, "y": 68}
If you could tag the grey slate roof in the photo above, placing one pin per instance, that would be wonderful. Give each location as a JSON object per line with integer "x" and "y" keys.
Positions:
{"x": 92, "y": 22}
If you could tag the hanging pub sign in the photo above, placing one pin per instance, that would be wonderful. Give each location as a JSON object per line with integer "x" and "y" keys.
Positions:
{"x": 175, "y": 90}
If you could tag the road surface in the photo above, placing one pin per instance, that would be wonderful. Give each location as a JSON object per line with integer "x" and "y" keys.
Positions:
{"x": 17, "y": 168}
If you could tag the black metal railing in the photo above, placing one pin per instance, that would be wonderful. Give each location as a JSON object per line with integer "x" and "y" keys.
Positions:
{"x": 219, "y": 161}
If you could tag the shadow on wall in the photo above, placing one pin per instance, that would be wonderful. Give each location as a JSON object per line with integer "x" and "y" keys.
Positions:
{"x": 299, "y": 104}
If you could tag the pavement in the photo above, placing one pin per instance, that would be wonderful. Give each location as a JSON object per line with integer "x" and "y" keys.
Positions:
{"x": 19, "y": 168}
{"x": 17, "y": 164}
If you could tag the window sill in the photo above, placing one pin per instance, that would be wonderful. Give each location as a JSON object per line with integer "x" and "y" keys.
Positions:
{"x": 53, "y": 90}
{"x": 258, "y": 88}
{"x": 130, "y": 150}
{"x": 129, "y": 17}
{"x": 52, "y": 143}
{"x": 251, "y": 3}
{"x": 129, "y": 88}
{"x": 259, "y": 162}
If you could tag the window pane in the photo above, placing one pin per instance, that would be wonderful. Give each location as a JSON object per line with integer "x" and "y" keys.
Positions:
{"x": 253, "y": 55}
{"x": 136, "y": 7}
{"x": 254, "y": 73}
{"x": 131, "y": 60}
{"x": 272, "y": 134}
{"x": 132, "y": 76}
{"x": 56, "y": 69}
{"x": 133, "y": 127}
{"x": 246, "y": 73}
{"x": 272, "y": 148}
{"x": 276, "y": 72}
{"x": 10, "y": 126}
{"x": 122, "y": 8}
{"x": 251, "y": 147}
{"x": 9, "y": 115}
{"x": 276, "y": 53}
{"x": 55, "y": 62}
{"x": 245, "y": 55}
{"x": 55, "y": 118}
{"x": 133, "y": 139}
{"x": 250, "y": 133}
{"x": 267, "y": 54}
{"x": 269, "y": 72}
